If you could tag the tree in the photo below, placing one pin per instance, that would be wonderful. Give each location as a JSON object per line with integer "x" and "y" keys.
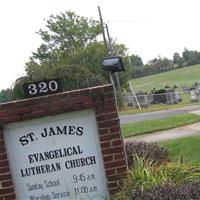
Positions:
{"x": 70, "y": 51}
{"x": 186, "y": 54}
{"x": 178, "y": 60}
{"x": 191, "y": 57}
{"x": 69, "y": 41}
{"x": 5, "y": 95}
{"x": 160, "y": 64}
{"x": 66, "y": 34}
{"x": 135, "y": 61}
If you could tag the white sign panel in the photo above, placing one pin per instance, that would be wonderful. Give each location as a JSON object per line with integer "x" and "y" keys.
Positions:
{"x": 56, "y": 158}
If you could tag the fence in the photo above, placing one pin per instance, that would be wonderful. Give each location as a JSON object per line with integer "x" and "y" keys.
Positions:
{"x": 146, "y": 100}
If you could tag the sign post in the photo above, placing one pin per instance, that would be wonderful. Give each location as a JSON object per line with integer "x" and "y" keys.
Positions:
{"x": 62, "y": 146}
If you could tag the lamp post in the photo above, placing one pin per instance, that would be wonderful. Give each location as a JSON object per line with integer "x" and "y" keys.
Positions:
{"x": 109, "y": 48}
{"x": 113, "y": 64}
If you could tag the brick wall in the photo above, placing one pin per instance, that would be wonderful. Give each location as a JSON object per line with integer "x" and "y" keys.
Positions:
{"x": 100, "y": 99}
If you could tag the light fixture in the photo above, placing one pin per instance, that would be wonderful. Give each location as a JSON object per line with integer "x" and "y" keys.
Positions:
{"x": 113, "y": 64}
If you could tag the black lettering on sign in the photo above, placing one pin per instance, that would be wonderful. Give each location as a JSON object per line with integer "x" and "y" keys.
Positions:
{"x": 79, "y": 131}
{"x": 53, "y": 154}
{"x": 41, "y": 88}
{"x": 35, "y": 186}
{"x": 60, "y": 195}
{"x": 42, "y": 197}
{"x": 42, "y": 169}
{"x": 65, "y": 130}
{"x": 80, "y": 162}
{"x": 52, "y": 183}
{"x": 26, "y": 139}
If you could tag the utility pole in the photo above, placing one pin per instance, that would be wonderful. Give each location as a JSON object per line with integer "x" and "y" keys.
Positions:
{"x": 103, "y": 32}
{"x": 108, "y": 51}
{"x": 109, "y": 41}
{"x": 110, "y": 73}
{"x": 112, "y": 52}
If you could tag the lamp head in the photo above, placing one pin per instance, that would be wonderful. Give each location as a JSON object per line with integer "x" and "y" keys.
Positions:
{"x": 113, "y": 64}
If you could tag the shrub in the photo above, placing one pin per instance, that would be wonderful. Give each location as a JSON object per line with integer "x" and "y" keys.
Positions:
{"x": 181, "y": 173}
{"x": 145, "y": 177}
{"x": 149, "y": 151}
{"x": 139, "y": 176}
{"x": 152, "y": 177}
{"x": 146, "y": 174}
{"x": 187, "y": 191}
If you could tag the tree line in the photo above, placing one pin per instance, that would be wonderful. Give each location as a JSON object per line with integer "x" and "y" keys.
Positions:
{"x": 72, "y": 51}
{"x": 157, "y": 65}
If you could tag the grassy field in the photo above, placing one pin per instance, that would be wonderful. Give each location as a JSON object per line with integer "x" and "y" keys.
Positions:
{"x": 180, "y": 77}
{"x": 140, "y": 128}
{"x": 154, "y": 107}
{"x": 184, "y": 149}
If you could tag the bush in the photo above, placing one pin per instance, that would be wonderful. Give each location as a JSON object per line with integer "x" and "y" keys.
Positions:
{"x": 187, "y": 191}
{"x": 149, "y": 151}
{"x": 142, "y": 175}
{"x": 181, "y": 173}
{"x": 152, "y": 177}
{"x": 146, "y": 177}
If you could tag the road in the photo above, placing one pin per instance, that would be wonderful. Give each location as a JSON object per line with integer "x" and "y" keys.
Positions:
{"x": 157, "y": 114}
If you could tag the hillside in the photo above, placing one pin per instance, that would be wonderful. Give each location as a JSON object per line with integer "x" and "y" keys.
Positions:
{"x": 184, "y": 76}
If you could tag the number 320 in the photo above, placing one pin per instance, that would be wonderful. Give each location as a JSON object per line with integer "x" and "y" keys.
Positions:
{"x": 42, "y": 87}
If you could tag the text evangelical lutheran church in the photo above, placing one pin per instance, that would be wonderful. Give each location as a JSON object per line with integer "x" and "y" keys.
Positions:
{"x": 61, "y": 146}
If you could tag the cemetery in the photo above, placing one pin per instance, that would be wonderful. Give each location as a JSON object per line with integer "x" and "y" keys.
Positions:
{"x": 164, "y": 96}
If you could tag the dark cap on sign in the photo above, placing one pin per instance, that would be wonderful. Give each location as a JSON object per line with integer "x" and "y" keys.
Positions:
{"x": 113, "y": 64}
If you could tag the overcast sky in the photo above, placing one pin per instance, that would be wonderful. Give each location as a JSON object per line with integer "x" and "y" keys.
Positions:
{"x": 149, "y": 28}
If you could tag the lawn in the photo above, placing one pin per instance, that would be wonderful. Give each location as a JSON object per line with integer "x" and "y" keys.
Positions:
{"x": 179, "y": 77}
{"x": 154, "y": 107}
{"x": 149, "y": 126}
{"x": 184, "y": 150}
{"x": 186, "y": 76}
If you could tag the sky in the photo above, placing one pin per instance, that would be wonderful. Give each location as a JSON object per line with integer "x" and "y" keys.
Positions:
{"x": 148, "y": 28}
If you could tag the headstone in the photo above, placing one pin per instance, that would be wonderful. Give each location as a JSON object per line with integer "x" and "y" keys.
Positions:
{"x": 186, "y": 89}
{"x": 141, "y": 97}
{"x": 193, "y": 96}
{"x": 159, "y": 96}
{"x": 172, "y": 96}
{"x": 130, "y": 100}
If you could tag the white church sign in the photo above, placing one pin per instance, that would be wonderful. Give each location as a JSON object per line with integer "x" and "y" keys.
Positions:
{"x": 56, "y": 157}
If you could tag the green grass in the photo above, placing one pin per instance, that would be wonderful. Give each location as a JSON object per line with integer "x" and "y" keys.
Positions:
{"x": 149, "y": 126}
{"x": 186, "y": 76}
{"x": 154, "y": 107}
{"x": 180, "y": 77}
{"x": 184, "y": 149}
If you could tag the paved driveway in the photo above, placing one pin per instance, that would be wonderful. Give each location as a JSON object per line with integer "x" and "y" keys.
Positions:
{"x": 157, "y": 114}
